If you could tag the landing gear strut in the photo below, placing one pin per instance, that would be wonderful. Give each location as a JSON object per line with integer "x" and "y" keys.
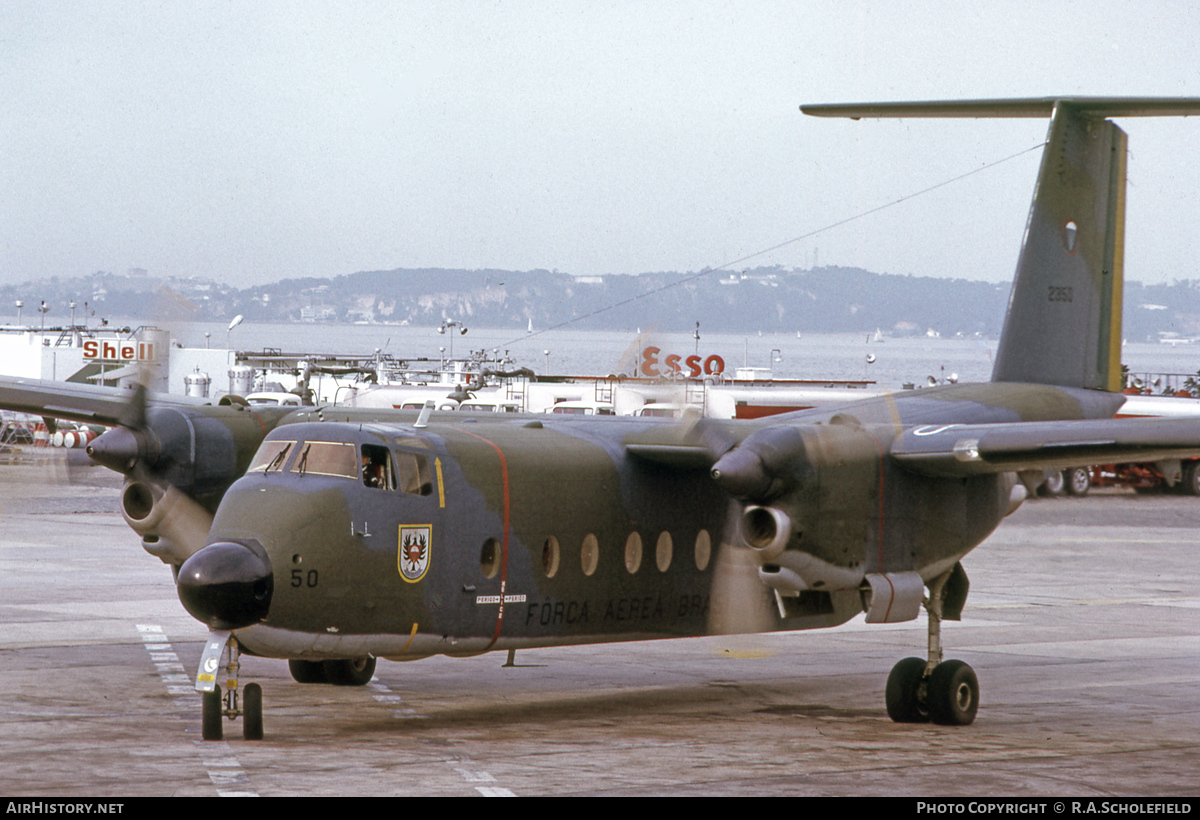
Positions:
{"x": 213, "y": 706}
{"x": 945, "y": 692}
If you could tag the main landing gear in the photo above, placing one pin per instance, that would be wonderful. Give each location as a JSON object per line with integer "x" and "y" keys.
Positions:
{"x": 213, "y": 706}
{"x": 945, "y": 692}
{"x": 350, "y": 672}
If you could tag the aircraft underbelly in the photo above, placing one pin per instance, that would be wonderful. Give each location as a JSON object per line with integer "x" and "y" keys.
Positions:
{"x": 273, "y": 642}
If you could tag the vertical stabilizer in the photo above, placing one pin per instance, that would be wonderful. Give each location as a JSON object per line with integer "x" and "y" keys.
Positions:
{"x": 1063, "y": 325}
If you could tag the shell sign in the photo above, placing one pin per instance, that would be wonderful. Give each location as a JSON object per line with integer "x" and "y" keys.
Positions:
{"x": 112, "y": 351}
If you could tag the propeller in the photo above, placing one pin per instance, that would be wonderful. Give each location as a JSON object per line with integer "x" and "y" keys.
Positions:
{"x": 765, "y": 466}
{"x": 739, "y": 602}
{"x": 173, "y": 525}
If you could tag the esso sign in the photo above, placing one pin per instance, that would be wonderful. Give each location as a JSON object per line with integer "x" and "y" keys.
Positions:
{"x": 673, "y": 365}
{"x": 116, "y": 351}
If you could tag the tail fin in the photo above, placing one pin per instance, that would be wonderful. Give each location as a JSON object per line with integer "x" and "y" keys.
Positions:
{"x": 1063, "y": 325}
{"x": 1064, "y": 313}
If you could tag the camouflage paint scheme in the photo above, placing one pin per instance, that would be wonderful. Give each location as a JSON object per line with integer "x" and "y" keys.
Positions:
{"x": 535, "y": 531}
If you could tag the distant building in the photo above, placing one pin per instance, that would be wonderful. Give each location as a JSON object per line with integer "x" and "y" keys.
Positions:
{"x": 318, "y": 313}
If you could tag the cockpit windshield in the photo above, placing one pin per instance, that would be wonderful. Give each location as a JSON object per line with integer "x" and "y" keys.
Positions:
{"x": 376, "y": 465}
{"x": 271, "y": 456}
{"x": 326, "y": 458}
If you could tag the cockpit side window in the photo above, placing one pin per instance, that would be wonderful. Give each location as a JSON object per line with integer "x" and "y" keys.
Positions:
{"x": 414, "y": 473}
{"x": 377, "y": 470}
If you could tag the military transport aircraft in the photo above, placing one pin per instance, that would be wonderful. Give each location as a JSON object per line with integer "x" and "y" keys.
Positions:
{"x": 332, "y": 537}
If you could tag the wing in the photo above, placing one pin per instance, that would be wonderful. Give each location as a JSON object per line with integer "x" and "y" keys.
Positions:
{"x": 89, "y": 404}
{"x": 694, "y": 444}
{"x": 959, "y": 450}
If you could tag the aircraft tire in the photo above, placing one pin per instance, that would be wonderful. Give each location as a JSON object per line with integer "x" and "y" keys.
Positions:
{"x": 903, "y": 694}
{"x": 350, "y": 672}
{"x": 1052, "y": 487}
{"x": 210, "y": 715}
{"x": 1078, "y": 481}
{"x": 252, "y": 724}
{"x": 953, "y": 694}
{"x": 1191, "y": 478}
{"x": 307, "y": 671}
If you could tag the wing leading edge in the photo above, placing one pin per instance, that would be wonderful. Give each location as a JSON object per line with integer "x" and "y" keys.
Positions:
{"x": 89, "y": 404}
{"x": 961, "y": 450}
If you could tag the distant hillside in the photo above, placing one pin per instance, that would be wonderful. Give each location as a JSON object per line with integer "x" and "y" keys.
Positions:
{"x": 829, "y": 299}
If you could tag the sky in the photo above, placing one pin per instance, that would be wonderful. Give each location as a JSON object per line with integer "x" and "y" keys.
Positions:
{"x": 247, "y": 142}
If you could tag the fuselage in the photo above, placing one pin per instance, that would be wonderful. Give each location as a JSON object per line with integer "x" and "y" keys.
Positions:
{"x": 398, "y": 541}
{"x": 469, "y": 537}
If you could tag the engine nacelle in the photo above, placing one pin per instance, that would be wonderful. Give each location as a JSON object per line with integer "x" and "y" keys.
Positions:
{"x": 785, "y": 566}
{"x": 810, "y": 492}
{"x": 825, "y": 505}
{"x": 199, "y": 450}
{"x": 171, "y": 524}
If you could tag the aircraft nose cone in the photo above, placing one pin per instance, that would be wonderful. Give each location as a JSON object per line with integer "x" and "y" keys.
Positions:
{"x": 117, "y": 449}
{"x": 226, "y": 586}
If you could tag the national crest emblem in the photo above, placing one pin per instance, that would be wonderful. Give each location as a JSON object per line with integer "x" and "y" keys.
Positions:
{"x": 412, "y": 557}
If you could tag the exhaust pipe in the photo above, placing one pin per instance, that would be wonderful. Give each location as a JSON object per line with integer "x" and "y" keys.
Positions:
{"x": 766, "y": 530}
{"x": 173, "y": 527}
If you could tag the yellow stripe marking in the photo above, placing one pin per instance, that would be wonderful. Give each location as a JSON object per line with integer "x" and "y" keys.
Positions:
{"x": 437, "y": 464}
{"x": 745, "y": 654}
{"x": 412, "y": 637}
{"x": 1115, "y": 381}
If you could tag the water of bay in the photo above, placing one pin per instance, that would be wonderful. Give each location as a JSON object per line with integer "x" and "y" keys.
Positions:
{"x": 894, "y": 362}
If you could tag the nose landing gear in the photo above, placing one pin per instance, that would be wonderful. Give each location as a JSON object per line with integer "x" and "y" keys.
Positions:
{"x": 213, "y": 706}
{"x": 944, "y": 692}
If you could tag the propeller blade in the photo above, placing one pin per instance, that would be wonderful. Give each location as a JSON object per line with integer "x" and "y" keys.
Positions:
{"x": 173, "y": 526}
{"x": 739, "y": 602}
{"x": 185, "y": 523}
{"x": 133, "y": 414}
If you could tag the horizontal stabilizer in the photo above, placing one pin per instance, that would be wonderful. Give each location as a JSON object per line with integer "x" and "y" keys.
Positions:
{"x": 1099, "y": 107}
{"x": 959, "y": 450}
{"x": 1063, "y": 325}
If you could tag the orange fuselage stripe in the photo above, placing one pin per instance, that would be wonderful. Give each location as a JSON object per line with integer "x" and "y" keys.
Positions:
{"x": 504, "y": 541}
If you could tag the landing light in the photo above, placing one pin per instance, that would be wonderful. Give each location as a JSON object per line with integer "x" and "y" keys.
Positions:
{"x": 967, "y": 449}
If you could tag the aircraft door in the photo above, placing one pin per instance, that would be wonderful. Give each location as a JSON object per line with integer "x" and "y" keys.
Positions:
{"x": 420, "y": 513}
{"x": 404, "y": 516}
